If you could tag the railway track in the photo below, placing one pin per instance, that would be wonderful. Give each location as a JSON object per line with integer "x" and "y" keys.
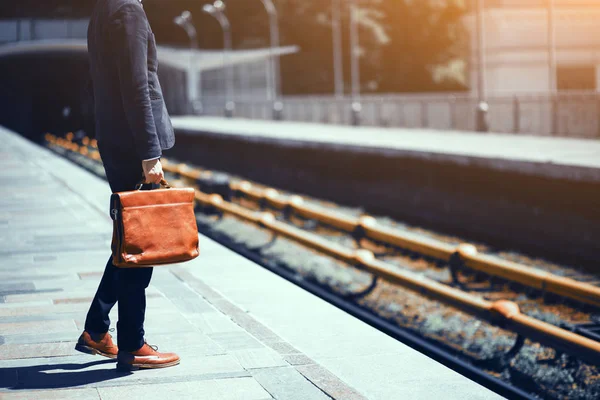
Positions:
{"x": 387, "y": 255}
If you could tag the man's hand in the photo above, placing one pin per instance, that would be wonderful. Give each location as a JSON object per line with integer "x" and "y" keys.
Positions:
{"x": 153, "y": 171}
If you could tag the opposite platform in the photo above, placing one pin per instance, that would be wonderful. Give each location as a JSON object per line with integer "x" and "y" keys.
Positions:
{"x": 242, "y": 332}
{"x": 550, "y": 157}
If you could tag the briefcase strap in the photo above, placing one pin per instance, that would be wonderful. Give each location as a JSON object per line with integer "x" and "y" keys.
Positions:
{"x": 143, "y": 182}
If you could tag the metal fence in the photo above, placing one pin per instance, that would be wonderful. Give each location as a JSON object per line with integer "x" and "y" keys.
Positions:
{"x": 569, "y": 114}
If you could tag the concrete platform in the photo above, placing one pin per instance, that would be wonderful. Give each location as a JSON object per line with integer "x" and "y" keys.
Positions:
{"x": 560, "y": 158}
{"x": 536, "y": 195}
{"x": 242, "y": 332}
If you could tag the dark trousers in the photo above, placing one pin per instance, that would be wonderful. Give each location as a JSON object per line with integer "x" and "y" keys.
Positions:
{"x": 123, "y": 285}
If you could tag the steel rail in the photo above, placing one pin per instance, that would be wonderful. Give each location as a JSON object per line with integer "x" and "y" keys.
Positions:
{"x": 502, "y": 313}
{"x": 465, "y": 253}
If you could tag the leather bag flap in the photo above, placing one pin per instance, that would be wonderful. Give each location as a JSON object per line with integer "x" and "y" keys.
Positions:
{"x": 142, "y": 198}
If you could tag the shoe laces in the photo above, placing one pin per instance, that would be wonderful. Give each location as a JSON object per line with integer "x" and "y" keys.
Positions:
{"x": 153, "y": 347}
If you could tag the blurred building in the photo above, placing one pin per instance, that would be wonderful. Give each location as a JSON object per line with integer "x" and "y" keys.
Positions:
{"x": 517, "y": 44}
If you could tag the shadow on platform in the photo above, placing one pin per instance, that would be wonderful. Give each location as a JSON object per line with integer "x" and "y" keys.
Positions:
{"x": 62, "y": 375}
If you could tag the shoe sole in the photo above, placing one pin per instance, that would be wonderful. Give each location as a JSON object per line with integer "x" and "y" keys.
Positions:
{"x": 90, "y": 350}
{"x": 137, "y": 367}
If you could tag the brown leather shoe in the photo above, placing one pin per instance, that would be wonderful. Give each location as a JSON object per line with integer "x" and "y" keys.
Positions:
{"x": 146, "y": 358}
{"x": 104, "y": 346}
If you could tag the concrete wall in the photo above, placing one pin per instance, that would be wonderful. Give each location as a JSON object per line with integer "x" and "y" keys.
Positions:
{"x": 559, "y": 219}
{"x": 516, "y": 44}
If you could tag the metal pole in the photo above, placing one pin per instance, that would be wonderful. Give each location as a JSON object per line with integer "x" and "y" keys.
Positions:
{"x": 217, "y": 10}
{"x": 197, "y": 105}
{"x": 194, "y": 87}
{"x": 274, "y": 64}
{"x": 552, "y": 86}
{"x": 598, "y": 115}
{"x": 482, "y": 106}
{"x": 230, "y": 104}
{"x": 270, "y": 65}
{"x": 551, "y": 48}
{"x": 453, "y": 112}
{"x": 516, "y": 115}
{"x": 354, "y": 44}
{"x": 338, "y": 64}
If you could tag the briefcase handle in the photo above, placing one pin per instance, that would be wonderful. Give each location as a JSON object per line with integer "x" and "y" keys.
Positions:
{"x": 143, "y": 182}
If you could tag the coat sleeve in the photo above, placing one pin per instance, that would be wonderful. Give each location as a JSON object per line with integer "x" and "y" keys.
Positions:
{"x": 129, "y": 34}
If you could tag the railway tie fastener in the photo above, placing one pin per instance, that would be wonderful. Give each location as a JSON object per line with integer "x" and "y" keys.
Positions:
{"x": 477, "y": 284}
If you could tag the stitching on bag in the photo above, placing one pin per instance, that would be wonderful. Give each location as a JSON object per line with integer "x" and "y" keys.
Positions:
{"x": 157, "y": 205}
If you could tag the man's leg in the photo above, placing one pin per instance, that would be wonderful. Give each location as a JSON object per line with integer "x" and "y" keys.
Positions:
{"x": 98, "y": 321}
{"x": 122, "y": 173}
{"x": 134, "y": 353}
{"x": 95, "y": 339}
{"x": 131, "y": 289}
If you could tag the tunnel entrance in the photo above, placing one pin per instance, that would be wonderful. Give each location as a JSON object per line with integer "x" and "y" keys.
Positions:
{"x": 45, "y": 91}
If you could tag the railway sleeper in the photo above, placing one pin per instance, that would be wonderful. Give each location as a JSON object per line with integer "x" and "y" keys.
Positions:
{"x": 353, "y": 296}
{"x": 501, "y": 362}
{"x": 267, "y": 245}
{"x": 310, "y": 225}
{"x": 216, "y": 183}
{"x": 590, "y": 329}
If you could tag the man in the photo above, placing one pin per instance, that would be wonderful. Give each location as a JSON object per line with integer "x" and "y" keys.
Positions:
{"x": 132, "y": 129}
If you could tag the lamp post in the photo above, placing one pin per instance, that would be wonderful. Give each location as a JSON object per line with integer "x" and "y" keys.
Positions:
{"x": 551, "y": 47}
{"x": 355, "y": 66}
{"x": 194, "y": 84}
{"x": 482, "y": 109}
{"x": 552, "y": 78}
{"x": 217, "y": 10}
{"x": 338, "y": 64}
{"x": 274, "y": 66}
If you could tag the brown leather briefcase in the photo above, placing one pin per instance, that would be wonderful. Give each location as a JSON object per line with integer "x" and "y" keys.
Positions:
{"x": 153, "y": 227}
